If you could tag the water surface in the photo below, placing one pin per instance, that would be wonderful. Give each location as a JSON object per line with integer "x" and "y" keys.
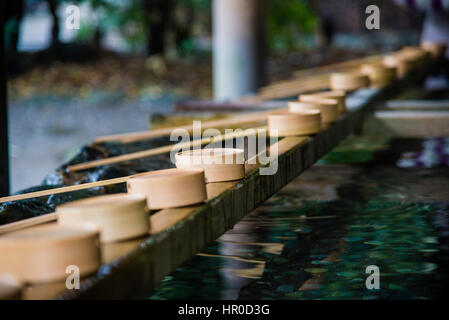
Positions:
{"x": 356, "y": 208}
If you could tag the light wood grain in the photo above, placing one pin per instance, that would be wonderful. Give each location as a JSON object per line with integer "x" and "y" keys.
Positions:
{"x": 14, "y": 226}
{"x": 77, "y": 187}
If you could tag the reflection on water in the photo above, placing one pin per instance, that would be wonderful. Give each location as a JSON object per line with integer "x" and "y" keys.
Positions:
{"x": 315, "y": 238}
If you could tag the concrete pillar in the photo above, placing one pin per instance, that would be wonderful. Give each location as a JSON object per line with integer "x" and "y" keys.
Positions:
{"x": 238, "y": 47}
{"x": 4, "y": 156}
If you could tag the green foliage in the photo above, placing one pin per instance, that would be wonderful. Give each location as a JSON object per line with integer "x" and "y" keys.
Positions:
{"x": 10, "y": 26}
{"x": 356, "y": 149}
{"x": 287, "y": 22}
{"x": 199, "y": 4}
{"x": 86, "y": 32}
{"x": 125, "y": 16}
{"x": 193, "y": 18}
{"x": 130, "y": 20}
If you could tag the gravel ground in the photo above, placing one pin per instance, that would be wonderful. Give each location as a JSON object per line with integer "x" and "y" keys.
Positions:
{"x": 45, "y": 132}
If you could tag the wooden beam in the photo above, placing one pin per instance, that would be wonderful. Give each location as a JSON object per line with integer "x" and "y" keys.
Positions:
{"x": 4, "y": 154}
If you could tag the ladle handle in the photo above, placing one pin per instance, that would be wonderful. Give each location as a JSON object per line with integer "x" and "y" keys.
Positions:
{"x": 26, "y": 223}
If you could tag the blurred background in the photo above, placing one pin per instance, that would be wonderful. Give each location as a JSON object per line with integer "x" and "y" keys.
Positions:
{"x": 131, "y": 59}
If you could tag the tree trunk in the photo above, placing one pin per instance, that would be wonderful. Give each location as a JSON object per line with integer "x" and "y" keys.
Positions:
{"x": 4, "y": 156}
{"x": 52, "y": 5}
{"x": 158, "y": 15}
{"x": 13, "y": 10}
